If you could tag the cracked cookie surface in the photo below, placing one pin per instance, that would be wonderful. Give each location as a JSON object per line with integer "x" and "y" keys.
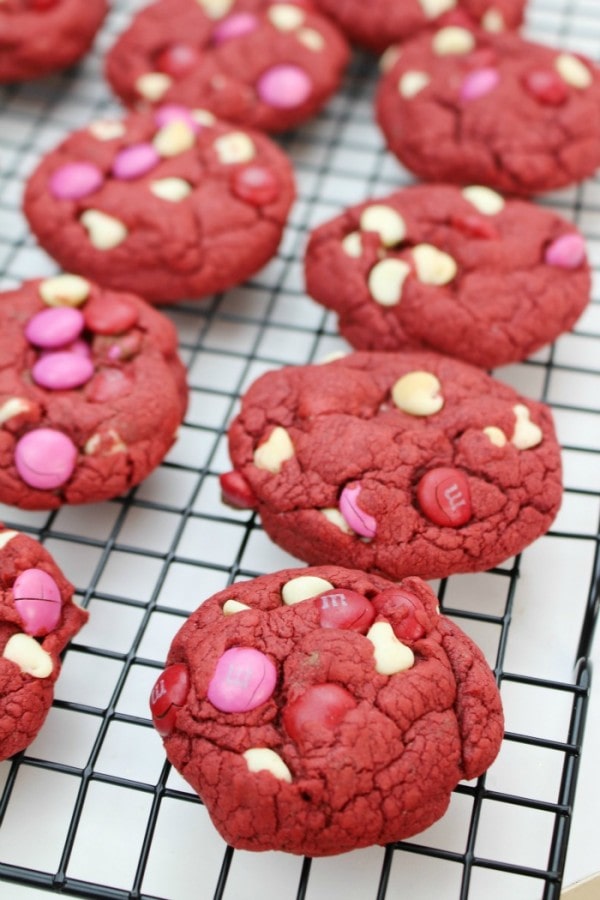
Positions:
{"x": 460, "y": 271}
{"x": 91, "y": 392}
{"x": 168, "y": 204}
{"x": 266, "y": 65}
{"x": 381, "y": 23}
{"x": 320, "y": 710}
{"x": 37, "y": 620}
{"x": 395, "y": 463}
{"x": 465, "y": 106}
{"x": 38, "y": 37}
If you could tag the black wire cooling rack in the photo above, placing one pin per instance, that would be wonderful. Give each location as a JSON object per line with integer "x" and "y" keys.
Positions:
{"x": 91, "y": 809}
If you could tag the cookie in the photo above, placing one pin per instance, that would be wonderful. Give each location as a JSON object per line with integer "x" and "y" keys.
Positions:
{"x": 91, "y": 392}
{"x": 37, "y": 620}
{"x": 38, "y": 37}
{"x": 168, "y": 204}
{"x": 460, "y": 271}
{"x": 262, "y": 64}
{"x": 320, "y": 710}
{"x": 466, "y": 106}
{"x": 398, "y": 464}
{"x": 379, "y": 24}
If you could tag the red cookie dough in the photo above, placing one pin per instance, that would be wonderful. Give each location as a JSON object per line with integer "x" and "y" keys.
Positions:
{"x": 395, "y": 463}
{"x": 37, "y": 620}
{"x": 91, "y": 392}
{"x": 380, "y": 23}
{"x": 168, "y": 204}
{"x": 470, "y": 107}
{"x": 463, "y": 272}
{"x": 263, "y": 64}
{"x": 320, "y": 710}
{"x": 42, "y": 36}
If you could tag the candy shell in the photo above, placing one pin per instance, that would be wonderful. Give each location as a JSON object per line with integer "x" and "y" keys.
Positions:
{"x": 322, "y": 705}
{"x": 358, "y": 520}
{"x": 177, "y": 59}
{"x": 404, "y": 611}
{"x": 38, "y": 601}
{"x": 168, "y": 696}
{"x": 255, "y": 184}
{"x": 444, "y": 497}
{"x": 62, "y": 370}
{"x": 284, "y": 86}
{"x": 54, "y": 327}
{"x": 75, "y": 180}
{"x": 244, "y": 678}
{"x": 346, "y": 609}
{"x": 45, "y": 458}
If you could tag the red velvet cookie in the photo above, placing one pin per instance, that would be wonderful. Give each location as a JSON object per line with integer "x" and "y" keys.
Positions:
{"x": 42, "y": 36}
{"x": 37, "y": 620}
{"x": 264, "y": 64}
{"x": 463, "y": 272}
{"x": 378, "y": 24}
{"x": 395, "y": 463}
{"x": 466, "y": 106}
{"x": 320, "y": 710}
{"x": 168, "y": 204}
{"x": 91, "y": 392}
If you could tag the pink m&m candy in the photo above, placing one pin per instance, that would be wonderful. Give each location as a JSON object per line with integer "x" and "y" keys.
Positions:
{"x": 38, "y": 601}
{"x": 133, "y": 162}
{"x": 479, "y": 83}
{"x": 45, "y": 458}
{"x": 109, "y": 384}
{"x": 244, "y": 678}
{"x": 444, "y": 497}
{"x": 342, "y": 608}
{"x": 75, "y": 180}
{"x": 358, "y": 520}
{"x": 322, "y": 705}
{"x": 54, "y": 327}
{"x": 172, "y": 112}
{"x": 566, "y": 252}
{"x": 234, "y": 26}
{"x": 255, "y": 184}
{"x": 168, "y": 696}
{"x": 62, "y": 370}
{"x": 284, "y": 86}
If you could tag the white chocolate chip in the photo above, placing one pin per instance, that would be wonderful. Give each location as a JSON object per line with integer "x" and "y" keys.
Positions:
{"x": 285, "y": 16}
{"x": 174, "y": 138}
{"x": 334, "y": 517}
{"x": 433, "y": 266}
{"x": 28, "y": 655}
{"x": 275, "y": 451}
{"x": 215, "y": 9}
{"x": 172, "y": 189}
{"x": 311, "y": 38}
{"x": 391, "y": 655}
{"x": 64, "y": 290}
{"x": 386, "y": 280}
{"x": 526, "y": 434}
{"x": 302, "y": 588}
{"x": 108, "y": 443}
{"x": 104, "y": 231}
{"x": 107, "y": 129}
{"x": 6, "y": 536}
{"x": 261, "y": 759}
{"x": 493, "y": 21}
{"x": 234, "y": 147}
{"x": 352, "y": 244}
{"x": 433, "y": 8}
{"x": 418, "y": 393}
{"x": 573, "y": 71}
{"x": 412, "y": 83}
{"x": 453, "y": 40}
{"x": 203, "y": 117}
{"x": 496, "y": 435}
{"x": 12, "y": 407}
{"x": 389, "y": 58}
{"x": 484, "y": 199}
{"x": 388, "y": 223}
{"x": 153, "y": 85}
{"x": 231, "y": 607}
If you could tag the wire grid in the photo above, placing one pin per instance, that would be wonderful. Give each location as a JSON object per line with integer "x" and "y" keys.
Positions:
{"x": 91, "y": 809}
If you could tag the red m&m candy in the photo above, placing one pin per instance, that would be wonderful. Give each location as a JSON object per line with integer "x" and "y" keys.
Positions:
{"x": 321, "y": 704}
{"x": 168, "y": 696}
{"x": 444, "y": 497}
{"x": 344, "y": 609}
